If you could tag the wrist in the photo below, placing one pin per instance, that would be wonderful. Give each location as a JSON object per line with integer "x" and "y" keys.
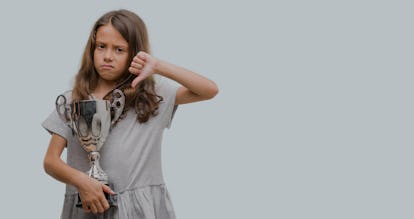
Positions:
{"x": 163, "y": 68}
{"x": 158, "y": 66}
{"x": 79, "y": 180}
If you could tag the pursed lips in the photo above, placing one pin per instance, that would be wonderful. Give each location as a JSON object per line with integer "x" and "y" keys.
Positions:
{"x": 107, "y": 66}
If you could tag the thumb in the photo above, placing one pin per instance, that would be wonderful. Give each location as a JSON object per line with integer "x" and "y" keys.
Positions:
{"x": 107, "y": 189}
{"x": 136, "y": 80}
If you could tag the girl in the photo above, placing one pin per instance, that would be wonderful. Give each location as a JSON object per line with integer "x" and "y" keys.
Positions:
{"x": 117, "y": 56}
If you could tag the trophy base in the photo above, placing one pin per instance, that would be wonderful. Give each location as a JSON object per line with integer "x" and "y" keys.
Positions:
{"x": 110, "y": 198}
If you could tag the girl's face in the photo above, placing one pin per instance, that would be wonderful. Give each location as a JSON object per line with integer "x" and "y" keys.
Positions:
{"x": 111, "y": 53}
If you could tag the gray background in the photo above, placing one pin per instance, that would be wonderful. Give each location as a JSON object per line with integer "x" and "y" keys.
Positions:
{"x": 313, "y": 119}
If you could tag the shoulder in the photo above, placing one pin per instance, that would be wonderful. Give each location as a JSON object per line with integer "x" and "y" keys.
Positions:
{"x": 165, "y": 87}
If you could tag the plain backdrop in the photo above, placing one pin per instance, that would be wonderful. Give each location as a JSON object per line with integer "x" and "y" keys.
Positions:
{"x": 314, "y": 118}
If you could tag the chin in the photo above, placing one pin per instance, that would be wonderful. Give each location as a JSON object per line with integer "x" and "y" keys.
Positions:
{"x": 111, "y": 78}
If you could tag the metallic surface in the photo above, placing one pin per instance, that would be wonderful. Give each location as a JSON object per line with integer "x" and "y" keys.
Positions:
{"x": 90, "y": 121}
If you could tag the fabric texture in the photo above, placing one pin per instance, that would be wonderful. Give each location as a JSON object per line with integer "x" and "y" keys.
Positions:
{"x": 131, "y": 156}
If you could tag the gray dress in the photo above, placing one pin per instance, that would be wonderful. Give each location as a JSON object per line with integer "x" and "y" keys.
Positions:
{"x": 131, "y": 156}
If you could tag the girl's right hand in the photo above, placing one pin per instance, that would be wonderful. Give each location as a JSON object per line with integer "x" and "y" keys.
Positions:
{"x": 91, "y": 193}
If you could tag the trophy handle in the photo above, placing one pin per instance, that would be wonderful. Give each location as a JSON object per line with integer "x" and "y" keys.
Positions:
{"x": 117, "y": 105}
{"x": 63, "y": 110}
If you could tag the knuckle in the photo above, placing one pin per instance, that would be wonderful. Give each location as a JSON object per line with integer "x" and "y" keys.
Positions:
{"x": 132, "y": 70}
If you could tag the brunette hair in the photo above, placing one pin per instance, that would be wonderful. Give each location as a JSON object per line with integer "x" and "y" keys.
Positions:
{"x": 132, "y": 28}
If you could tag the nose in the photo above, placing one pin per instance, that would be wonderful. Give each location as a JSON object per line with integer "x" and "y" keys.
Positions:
{"x": 108, "y": 56}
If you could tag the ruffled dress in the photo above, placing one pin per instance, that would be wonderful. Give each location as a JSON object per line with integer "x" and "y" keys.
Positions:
{"x": 131, "y": 156}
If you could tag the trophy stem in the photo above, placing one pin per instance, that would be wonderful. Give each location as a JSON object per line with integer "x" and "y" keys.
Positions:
{"x": 96, "y": 171}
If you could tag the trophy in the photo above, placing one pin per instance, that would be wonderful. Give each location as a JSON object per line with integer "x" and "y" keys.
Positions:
{"x": 91, "y": 121}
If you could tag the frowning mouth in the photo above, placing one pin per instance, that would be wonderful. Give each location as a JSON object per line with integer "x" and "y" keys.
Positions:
{"x": 107, "y": 66}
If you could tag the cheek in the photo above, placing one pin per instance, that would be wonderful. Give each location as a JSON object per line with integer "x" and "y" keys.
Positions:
{"x": 124, "y": 61}
{"x": 95, "y": 57}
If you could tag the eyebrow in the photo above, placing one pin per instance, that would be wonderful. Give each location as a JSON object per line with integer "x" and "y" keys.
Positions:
{"x": 123, "y": 46}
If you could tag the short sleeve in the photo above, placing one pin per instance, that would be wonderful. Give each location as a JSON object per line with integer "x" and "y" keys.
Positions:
{"x": 167, "y": 91}
{"x": 55, "y": 125}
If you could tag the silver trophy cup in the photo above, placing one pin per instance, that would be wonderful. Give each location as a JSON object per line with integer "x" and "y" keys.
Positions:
{"x": 91, "y": 121}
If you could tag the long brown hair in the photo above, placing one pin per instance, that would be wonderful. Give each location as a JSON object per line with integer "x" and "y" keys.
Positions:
{"x": 143, "y": 98}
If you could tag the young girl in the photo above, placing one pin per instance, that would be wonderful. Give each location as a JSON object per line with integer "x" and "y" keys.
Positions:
{"x": 117, "y": 56}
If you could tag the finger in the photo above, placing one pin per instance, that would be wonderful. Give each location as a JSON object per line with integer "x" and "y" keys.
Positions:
{"x": 104, "y": 203}
{"x": 142, "y": 55}
{"x": 108, "y": 189}
{"x": 86, "y": 207}
{"x": 136, "y": 65}
{"x": 138, "y": 79}
{"x": 138, "y": 60}
{"x": 134, "y": 71}
{"x": 99, "y": 206}
{"x": 93, "y": 208}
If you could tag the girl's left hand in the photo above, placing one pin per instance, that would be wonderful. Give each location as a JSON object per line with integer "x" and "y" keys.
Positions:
{"x": 143, "y": 65}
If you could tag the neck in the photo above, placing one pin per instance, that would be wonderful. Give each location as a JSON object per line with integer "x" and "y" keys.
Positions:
{"x": 102, "y": 88}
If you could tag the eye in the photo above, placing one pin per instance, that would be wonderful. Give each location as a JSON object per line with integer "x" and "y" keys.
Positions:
{"x": 100, "y": 46}
{"x": 120, "y": 50}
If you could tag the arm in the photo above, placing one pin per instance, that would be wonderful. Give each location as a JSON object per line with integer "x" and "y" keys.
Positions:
{"x": 90, "y": 190}
{"x": 194, "y": 86}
